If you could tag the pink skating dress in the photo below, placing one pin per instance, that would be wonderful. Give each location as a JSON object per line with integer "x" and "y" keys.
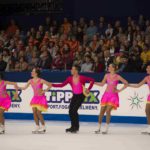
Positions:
{"x": 38, "y": 101}
{"x": 148, "y": 83}
{"x": 110, "y": 96}
{"x": 5, "y": 100}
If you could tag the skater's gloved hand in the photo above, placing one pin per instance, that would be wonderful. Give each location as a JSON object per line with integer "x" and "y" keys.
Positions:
{"x": 86, "y": 91}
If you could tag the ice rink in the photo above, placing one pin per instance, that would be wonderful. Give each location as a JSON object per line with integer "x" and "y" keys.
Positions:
{"x": 121, "y": 137}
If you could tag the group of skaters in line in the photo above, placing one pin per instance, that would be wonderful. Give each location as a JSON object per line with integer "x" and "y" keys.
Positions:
{"x": 108, "y": 102}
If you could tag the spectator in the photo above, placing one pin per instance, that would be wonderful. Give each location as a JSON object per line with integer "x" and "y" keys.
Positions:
{"x": 58, "y": 63}
{"x": 94, "y": 44}
{"x": 3, "y": 64}
{"x": 12, "y": 28}
{"x": 87, "y": 66}
{"x": 45, "y": 60}
{"x": 101, "y": 29}
{"x": 21, "y": 65}
{"x": 145, "y": 55}
{"x": 124, "y": 65}
{"x": 109, "y": 31}
{"x": 91, "y": 30}
{"x": 98, "y": 66}
{"x": 6, "y": 58}
{"x": 34, "y": 60}
{"x": 66, "y": 26}
{"x": 107, "y": 59}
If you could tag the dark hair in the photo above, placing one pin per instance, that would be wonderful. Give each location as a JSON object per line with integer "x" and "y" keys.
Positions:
{"x": 77, "y": 67}
{"x": 38, "y": 72}
{"x": 1, "y": 75}
{"x": 148, "y": 64}
{"x": 114, "y": 65}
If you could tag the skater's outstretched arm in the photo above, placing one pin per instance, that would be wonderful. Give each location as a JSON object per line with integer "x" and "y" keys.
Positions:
{"x": 15, "y": 86}
{"x": 26, "y": 86}
{"x": 62, "y": 84}
{"x": 125, "y": 82}
{"x": 101, "y": 83}
{"x": 91, "y": 80}
{"x": 139, "y": 84}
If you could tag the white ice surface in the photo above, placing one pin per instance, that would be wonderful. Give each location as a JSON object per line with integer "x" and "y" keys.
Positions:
{"x": 121, "y": 137}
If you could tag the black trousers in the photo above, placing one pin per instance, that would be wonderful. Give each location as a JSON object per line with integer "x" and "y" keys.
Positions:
{"x": 75, "y": 103}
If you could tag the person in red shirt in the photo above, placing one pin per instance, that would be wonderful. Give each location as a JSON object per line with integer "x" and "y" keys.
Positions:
{"x": 12, "y": 28}
{"x": 77, "y": 83}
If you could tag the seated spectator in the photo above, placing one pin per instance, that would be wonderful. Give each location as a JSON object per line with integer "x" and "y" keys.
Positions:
{"x": 109, "y": 31}
{"x": 34, "y": 60}
{"x": 3, "y": 64}
{"x": 66, "y": 26}
{"x": 21, "y": 65}
{"x": 98, "y": 65}
{"x": 79, "y": 35}
{"x": 107, "y": 59}
{"x": 145, "y": 55}
{"x": 58, "y": 63}
{"x": 94, "y": 44}
{"x": 12, "y": 28}
{"x": 45, "y": 60}
{"x": 101, "y": 29}
{"x": 88, "y": 65}
{"x": 68, "y": 60}
{"x": 6, "y": 58}
{"x": 91, "y": 30}
{"x": 124, "y": 65}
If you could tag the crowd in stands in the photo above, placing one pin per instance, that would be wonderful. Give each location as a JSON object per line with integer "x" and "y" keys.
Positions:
{"x": 90, "y": 44}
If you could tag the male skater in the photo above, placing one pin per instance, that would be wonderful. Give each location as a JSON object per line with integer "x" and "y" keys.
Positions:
{"x": 77, "y": 82}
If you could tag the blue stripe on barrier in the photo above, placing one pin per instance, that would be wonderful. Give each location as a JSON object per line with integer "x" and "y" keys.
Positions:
{"x": 84, "y": 118}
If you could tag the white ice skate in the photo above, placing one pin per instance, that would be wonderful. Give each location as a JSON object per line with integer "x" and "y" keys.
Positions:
{"x": 42, "y": 130}
{"x": 146, "y": 130}
{"x": 98, "y": 131}
{"x": 106, "y": 129}
{"x": 35, "y": 131}
{"x": 2, "y": 129}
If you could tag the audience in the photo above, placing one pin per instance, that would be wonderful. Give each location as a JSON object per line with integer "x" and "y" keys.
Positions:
{"x": 91, "y": 44}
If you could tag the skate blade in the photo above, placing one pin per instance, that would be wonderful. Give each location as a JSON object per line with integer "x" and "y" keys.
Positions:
{"x": 144, "y": 133}
{"x": 97, "y": 132}
{"x": 72, "y": 132}
{"x": 34, "y": 132}
{"x": 42, "y": 132}
{"x": 2, "y": 132}
{"x": 104, "y": 133}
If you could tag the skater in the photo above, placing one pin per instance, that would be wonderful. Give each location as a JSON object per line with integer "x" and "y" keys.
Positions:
{"x": 77, "y": 83}
{"x": 147, "y": 108}
{"x": 5, "y": 100}
{"x": 38, "y": 102}
{"x": 110, "y": 98}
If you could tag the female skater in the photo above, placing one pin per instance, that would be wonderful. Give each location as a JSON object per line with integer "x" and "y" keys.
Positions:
{"x": 147, "y": 108}
{"x": 38, "y": 102}
{"x": 110, "y": 98}
{"x": 5, "y": 101}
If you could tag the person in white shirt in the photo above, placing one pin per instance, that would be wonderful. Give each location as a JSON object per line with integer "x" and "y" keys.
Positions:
{"x": 88, "y": 65}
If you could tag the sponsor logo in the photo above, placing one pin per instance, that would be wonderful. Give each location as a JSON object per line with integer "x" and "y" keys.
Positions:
{"x": 11, "y": 93}
{"x": 135, "y": 101}
{"x": 59, "y": 96}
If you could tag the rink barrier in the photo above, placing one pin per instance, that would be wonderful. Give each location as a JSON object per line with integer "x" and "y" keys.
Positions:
{"x": 125, "y": 114}
{"x": 59, "y": 76}
{"x": 83, "y": 118}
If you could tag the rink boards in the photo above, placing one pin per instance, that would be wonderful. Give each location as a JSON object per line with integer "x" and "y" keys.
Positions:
{"x": 131, "y": 110}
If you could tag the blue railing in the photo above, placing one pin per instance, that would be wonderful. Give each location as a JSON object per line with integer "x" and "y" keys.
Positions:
{"x": 59, "y": 76}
